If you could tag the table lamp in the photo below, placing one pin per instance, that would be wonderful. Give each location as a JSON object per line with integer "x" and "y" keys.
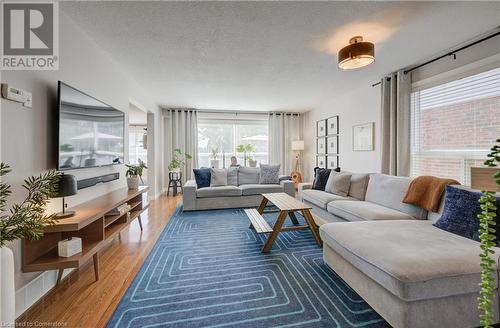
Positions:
{"x": 66, "y": 186}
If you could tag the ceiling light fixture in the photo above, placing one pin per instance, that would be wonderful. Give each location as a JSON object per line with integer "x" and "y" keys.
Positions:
{"x": 357, "y": 54}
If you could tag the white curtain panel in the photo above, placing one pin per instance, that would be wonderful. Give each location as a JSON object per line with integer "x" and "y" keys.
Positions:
{"x": 395, "y": 124}
{"x": 283, "y": 129}
{"x": 181, "y": 131}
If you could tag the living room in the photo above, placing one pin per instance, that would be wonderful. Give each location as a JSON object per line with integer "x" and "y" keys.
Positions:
{"x": 252, "y": 164}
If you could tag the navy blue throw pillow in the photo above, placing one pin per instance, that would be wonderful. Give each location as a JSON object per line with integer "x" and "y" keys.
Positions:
{"x": 320, "y": 178}
{"x": 461, "y": 208}
{"x": 202, "y": 177}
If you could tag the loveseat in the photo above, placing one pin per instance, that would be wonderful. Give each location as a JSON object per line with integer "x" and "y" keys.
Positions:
{"x": 411, "y": 272}
{"x": 242, "y": 190}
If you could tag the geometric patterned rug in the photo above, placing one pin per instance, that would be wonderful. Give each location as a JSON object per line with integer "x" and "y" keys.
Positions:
{"x": 207, "y": 270}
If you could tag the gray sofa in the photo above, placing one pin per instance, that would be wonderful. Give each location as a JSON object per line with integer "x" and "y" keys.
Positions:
{"x": 243, "y": 190}
{"x": 412, "y": 273}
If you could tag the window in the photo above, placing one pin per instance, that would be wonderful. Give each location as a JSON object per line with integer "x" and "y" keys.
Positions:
{"x": 136, "y": 147}
{"x": 226, "y": 134}
{"x": 454, "y": 125}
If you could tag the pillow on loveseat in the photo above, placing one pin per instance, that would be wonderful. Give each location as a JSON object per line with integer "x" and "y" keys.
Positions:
{"x": 461, "y": 208}
{"x": 202, "y": 177}
{"x": 269, "y": 174}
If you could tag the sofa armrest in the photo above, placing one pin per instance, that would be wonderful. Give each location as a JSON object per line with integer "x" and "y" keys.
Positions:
{"x": 189, "y": 195}
{"x": 303, "y": 186}
{"x": 288, "y": 187}
{"x": 283, "y": 177}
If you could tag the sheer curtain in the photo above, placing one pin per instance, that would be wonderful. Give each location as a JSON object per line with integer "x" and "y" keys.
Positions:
{"x": 395, "y": 124}
{"x": 181, "y": 131}
{"x": 283, "y": 129}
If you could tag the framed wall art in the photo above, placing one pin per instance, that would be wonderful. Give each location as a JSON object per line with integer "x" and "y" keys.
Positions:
{"x": 321, "y": 146}
{"x": 321, "y": 128}
{"x": 321, "y": 161}
{"x": 363, "y": 137}
{"x": 332, "y": 125}
{"x": 332, "y": 162}
{"x": 332, "y": 145}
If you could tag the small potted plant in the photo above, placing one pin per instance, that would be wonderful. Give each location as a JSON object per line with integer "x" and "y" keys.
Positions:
{"x": 134, "y": 174}
{"x": 214, "y": 162}
{"x": 24, "y": 220}
{"x": 245, "y": 149}
{"x": 178, "y": 161}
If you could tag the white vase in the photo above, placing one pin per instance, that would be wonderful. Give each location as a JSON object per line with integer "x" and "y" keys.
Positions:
{"x": 7, "y": 289}
{"x": 133, "y": 182}
{"x": 214, "y": 163}
{"x": 252, "y": 163}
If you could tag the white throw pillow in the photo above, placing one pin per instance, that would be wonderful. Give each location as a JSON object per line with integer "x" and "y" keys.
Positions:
{"x": 218, "y": 177}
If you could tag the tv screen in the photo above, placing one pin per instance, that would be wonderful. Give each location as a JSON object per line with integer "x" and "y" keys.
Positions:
{"x": 91, "y": 133}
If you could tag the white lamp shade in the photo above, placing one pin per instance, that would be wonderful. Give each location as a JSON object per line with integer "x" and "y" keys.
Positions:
{"x": 298, "y": 145}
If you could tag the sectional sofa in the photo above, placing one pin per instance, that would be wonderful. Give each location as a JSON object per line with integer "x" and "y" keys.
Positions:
{"x": 412, "y": 273}
{"x": 243, "y": 190}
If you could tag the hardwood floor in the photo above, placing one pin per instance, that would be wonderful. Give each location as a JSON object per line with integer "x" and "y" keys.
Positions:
{"x": 80, "y": 301}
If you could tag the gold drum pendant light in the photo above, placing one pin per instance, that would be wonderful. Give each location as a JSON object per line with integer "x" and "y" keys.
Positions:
{"x": 357, "y": 54}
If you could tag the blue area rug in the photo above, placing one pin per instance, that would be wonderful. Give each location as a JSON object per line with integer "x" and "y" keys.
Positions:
{"x": 207, "y": 270}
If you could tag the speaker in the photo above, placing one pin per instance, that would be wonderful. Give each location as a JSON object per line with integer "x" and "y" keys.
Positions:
{"x": 85, "y": 183}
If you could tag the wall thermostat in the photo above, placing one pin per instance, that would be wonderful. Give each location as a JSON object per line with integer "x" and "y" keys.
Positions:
{"x": 16, "y": 94}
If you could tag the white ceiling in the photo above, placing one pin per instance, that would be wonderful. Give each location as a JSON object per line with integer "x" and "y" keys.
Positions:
{"x": 269, "y": 55}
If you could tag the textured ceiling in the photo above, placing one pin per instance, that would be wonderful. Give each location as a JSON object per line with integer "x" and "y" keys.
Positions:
{"x": 269, "y": 55}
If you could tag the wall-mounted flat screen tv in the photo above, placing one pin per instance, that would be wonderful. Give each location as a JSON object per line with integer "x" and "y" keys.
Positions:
{"x": 91, "y": 133}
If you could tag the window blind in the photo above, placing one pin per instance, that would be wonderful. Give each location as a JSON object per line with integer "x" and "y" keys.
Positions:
{"x": 454, "y": 124}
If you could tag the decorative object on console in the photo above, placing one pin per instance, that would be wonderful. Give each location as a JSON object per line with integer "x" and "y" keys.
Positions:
{"x": 363, "y": 137}
{"x": 24, "y": 220}
{"x": 269, "y": 174}
{"x": 202, "y": 177}
{"x": 66, "y": 186}
{"x": 134, "y": 173}
{"x": 214, "y": 162}
{"x": 321, "y": 161}
{"x": 298, "y": 147}
{"x": 321, "y": 176}
{"x": 321, "y": 128}
{"x": 69, "y": 247}
{"x": 487, "y": 217}
{"x": 357, "y": 54}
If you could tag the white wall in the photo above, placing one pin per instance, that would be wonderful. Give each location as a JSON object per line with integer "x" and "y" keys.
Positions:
{"x": 27, "y": 134}
{"x": 360, "y": 106}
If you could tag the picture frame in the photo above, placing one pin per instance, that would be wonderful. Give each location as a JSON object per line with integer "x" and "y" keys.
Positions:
{"x": 332, "y": 125}
{"x": 363, "y": 137}
{"x": 321, "y": 128}
{"x": 321, "y": 161}
{"x": 332, "y": 162}
{"x": 332, "y": 145}
{"x": 321, "y": 146}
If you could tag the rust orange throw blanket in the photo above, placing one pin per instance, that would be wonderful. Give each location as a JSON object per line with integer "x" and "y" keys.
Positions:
{"x": 426, "y": 192}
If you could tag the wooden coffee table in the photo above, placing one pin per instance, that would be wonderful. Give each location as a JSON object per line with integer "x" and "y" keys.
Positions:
{"x": 287, "y": 206}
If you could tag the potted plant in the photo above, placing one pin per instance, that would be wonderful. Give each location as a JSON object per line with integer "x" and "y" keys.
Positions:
{"x": 179, "y": 161}
{"x": 245, "y": 149}
{"x": 134, "y": 174}
{"x": 487, "y": 238}
{"x": 214, "y": 162}
{"x": 24, "y": 220}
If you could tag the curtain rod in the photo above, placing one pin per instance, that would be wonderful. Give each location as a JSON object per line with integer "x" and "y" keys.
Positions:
{"x": 450, "y": 53}
{"x": 225, "y": 111}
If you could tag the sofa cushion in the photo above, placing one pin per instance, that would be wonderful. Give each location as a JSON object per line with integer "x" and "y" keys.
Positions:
{"x": 222, "y": 191}
{"x": 248, "y": 175}
{"x": 257, "y": 189}
{"x": 389, "y": 191}
{"x": 269, "y": 174}
{"x": 232, "y": 176}
{"x": 320, "y": 198}
{"x": 320, "y": 178}
{"x": 359, "y": 183}
{"x": 365, "y": 211}
{"x": 412, "y": 259}
{"x": 218, "y": 177}
{"x": 340, "y": 184}
{"x": 202, "y": 177}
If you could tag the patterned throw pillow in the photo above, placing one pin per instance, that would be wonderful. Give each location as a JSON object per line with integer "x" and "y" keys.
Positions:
{"x": 320, "y": 178}
{"x": 202, "y": 177}
{"x": 461, "y": 208}
{"x": 269, "y": 174}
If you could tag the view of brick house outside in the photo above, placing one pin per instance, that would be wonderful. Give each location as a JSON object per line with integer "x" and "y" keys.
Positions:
{"x": 454, "y": 125}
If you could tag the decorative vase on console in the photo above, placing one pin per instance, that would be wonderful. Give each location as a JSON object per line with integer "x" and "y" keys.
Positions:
{"x": 24, "y": 220}
{"x": 134, "y": 174}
